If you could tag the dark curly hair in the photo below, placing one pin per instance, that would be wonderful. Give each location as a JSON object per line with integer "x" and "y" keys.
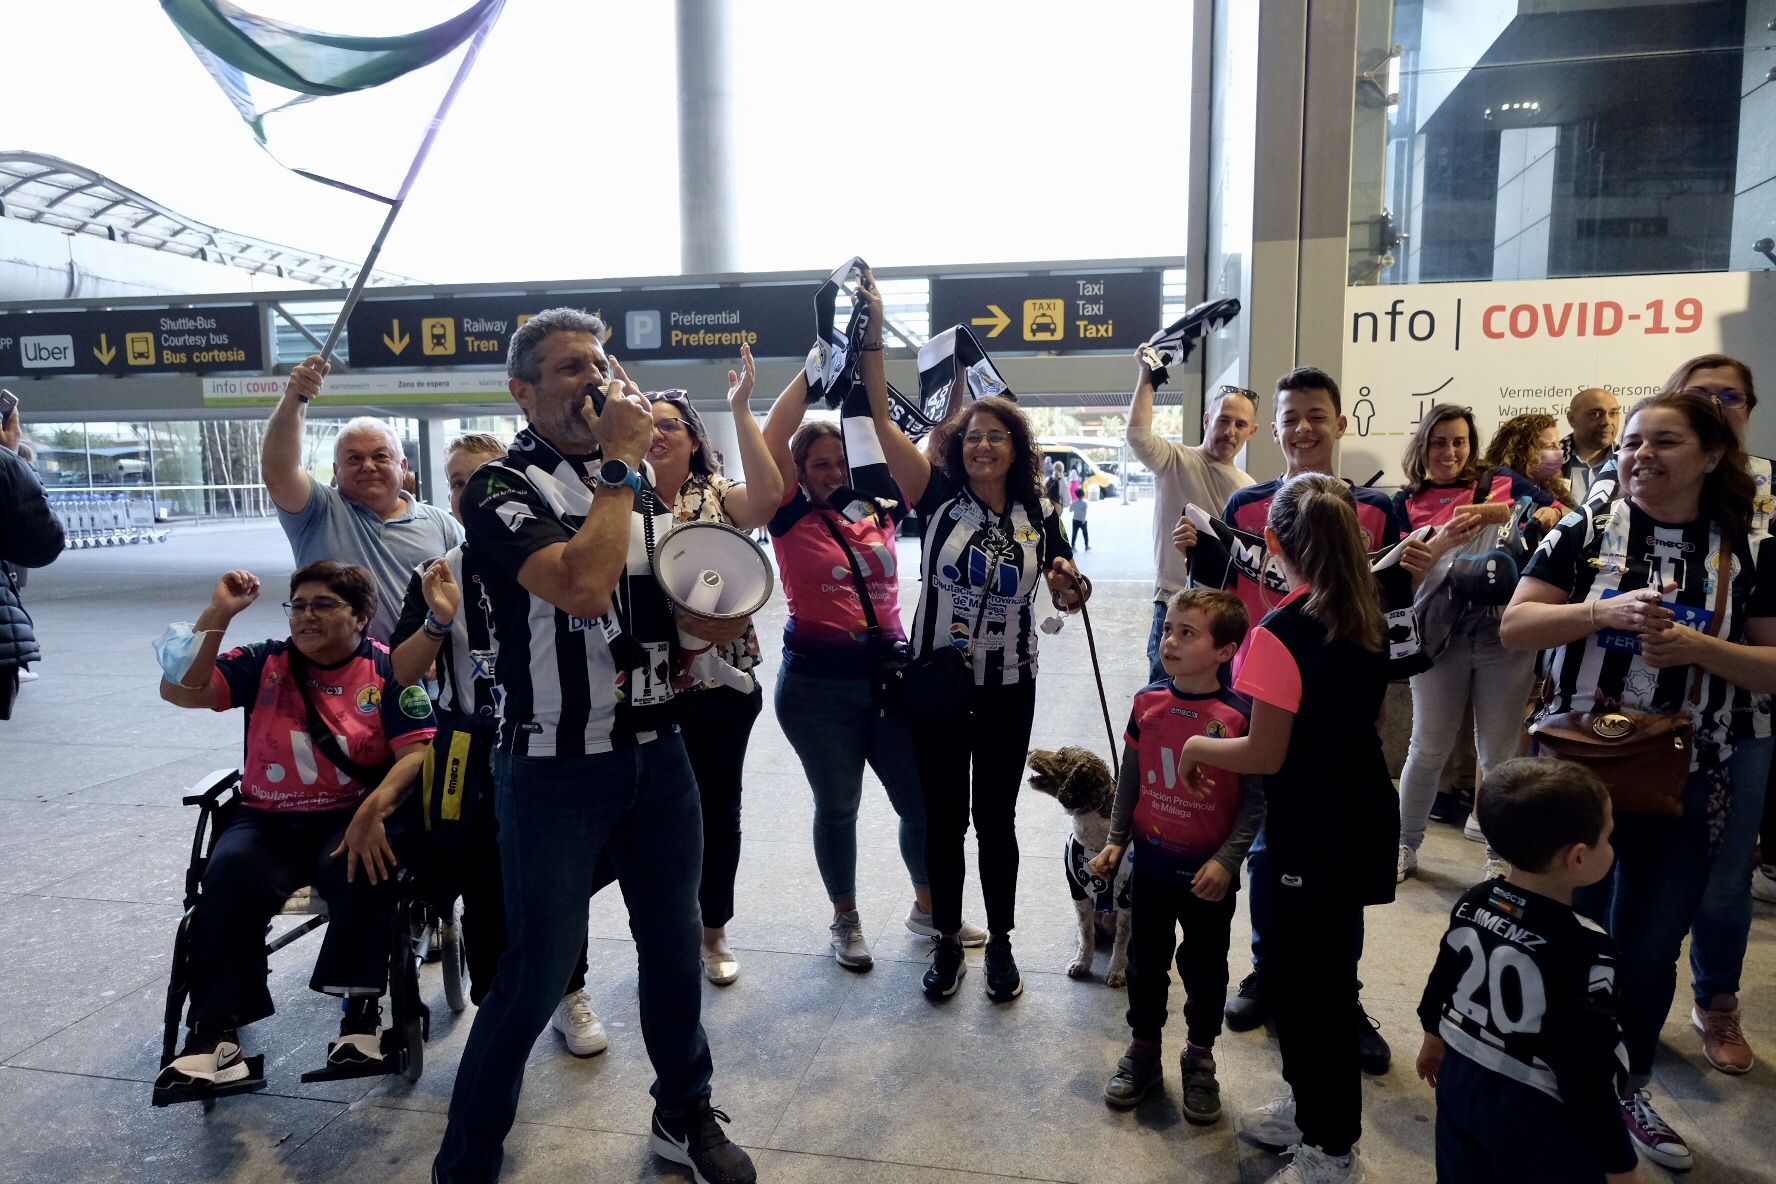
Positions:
{"x": 352, "y": 584}
{"x": 1024, "y": 482}
{"x": 1514, "y": 447}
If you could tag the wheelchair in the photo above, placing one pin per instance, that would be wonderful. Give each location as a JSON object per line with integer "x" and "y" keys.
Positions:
{"x": 422, "y": 929}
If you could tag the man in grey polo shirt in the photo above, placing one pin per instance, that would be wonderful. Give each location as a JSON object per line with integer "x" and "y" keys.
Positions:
{"x": 1201, "y": 473}
{"x": 367, "y": 520}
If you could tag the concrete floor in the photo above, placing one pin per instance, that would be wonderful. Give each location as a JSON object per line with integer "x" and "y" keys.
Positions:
{"x": 829, "y": 1075}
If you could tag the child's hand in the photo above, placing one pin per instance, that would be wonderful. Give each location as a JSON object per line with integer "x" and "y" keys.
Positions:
{"x": 1430, "y": 1059}
{"x": 1211, "y": 880}
{"x": 1105, "y": 862}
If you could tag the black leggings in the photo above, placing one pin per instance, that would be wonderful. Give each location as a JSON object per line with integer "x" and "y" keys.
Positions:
{"x": 993, "y": 735}
{"x": 717, "y": 723}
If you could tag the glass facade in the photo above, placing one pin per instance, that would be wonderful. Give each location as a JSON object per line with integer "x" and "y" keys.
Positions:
{"x": 1529, "y": 141}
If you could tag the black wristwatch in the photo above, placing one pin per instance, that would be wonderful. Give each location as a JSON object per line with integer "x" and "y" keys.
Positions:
{"x": 614, "y": 474}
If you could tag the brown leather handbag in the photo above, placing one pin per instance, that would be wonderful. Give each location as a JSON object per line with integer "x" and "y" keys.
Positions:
{"x": 1642, "y": 757}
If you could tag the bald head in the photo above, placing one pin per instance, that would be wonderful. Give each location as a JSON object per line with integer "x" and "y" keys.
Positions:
{"x": 1596, "y": 420}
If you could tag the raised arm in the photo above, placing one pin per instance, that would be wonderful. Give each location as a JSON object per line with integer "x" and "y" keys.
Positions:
{"x": 434, "y": 595}
{"x": 233, "y": 593}
{"x": 280, "y": 456}
{"x": 786, "y": 416}
{"x": 1140, "y": 413}
{"x": 580, "y": 575}
{"x": 907, "y": 464}
{"x": 751, "y": 504}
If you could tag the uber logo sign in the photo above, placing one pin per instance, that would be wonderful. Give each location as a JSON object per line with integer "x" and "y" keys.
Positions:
{"x": 46, "y": 351}
{"x": 641, "y": 329}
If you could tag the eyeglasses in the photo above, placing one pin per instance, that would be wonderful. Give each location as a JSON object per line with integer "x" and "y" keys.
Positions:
{"x": 1728, "y": 397}
{"x": 975, "y": 439}
{"x": 320, "y": 606}
{"x": 669, "y": 427}
{"x": 1227, "y": 388}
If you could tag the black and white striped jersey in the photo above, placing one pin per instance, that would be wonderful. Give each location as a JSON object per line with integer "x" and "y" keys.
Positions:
{"x": 1594, "y": 557}
{"x": 971, "y": 552}
{"x": 466, "y": 656}
{"x": 570, "y": 685}
{"x": 1526, "y": 988}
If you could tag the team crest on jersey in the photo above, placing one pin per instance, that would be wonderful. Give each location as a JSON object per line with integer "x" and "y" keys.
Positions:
{"x": 369, "y": 699}
{"x": 1215, "y": 729}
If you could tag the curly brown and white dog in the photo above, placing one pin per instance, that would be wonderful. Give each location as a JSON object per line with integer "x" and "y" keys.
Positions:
{"x": 1082, "y": 783}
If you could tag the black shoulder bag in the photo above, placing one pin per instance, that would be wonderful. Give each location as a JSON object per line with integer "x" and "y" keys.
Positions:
{"x": 889, "y": 656}
{"x": 367, "y": 778}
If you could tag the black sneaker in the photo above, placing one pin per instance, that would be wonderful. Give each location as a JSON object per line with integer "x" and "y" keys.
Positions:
{"x": 1373, "y": 1053}
{"x": 1202, "y": 1093}
{"x": 1003, "y": 981}
{"x": 697, "y": 1141}
{"x": 1246, "y": 1010}
{"x": 362, "y": 1016}
{"x": 1135, "y": 1078}
{"x": 947, "y": 968}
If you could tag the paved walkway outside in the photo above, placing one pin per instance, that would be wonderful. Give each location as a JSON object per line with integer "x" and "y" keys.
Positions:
{"x": 829, "y": 1075}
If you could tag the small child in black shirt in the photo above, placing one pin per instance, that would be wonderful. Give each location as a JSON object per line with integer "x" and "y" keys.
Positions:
{"x": 1521, "y": 1040}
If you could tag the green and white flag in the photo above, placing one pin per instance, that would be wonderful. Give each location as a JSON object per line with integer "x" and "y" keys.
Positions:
{"x": 337, "y": 108}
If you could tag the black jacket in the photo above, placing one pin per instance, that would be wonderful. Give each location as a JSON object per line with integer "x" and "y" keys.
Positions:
{"x": 30, "y": 536}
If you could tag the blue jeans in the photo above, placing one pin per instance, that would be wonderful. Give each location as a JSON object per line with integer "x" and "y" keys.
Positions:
{"x": 556, "y": 815}
{"x": 834, "y": 726}
{"x": 1650, "y": 900}
{"x": 1155, "y": 671}
{"x": 1723, "y": 925}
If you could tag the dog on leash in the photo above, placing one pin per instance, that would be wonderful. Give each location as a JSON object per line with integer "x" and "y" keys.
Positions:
{"x": 1082, "y": 783}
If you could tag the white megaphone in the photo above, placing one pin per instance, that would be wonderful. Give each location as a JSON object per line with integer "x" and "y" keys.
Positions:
{"x": 712, "y": 571}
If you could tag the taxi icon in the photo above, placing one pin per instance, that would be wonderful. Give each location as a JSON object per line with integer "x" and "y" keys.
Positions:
{"x": 1044, "y": 325}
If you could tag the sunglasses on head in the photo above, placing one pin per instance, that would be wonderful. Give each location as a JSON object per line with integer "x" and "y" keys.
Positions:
{"x": 1227, "y": 388}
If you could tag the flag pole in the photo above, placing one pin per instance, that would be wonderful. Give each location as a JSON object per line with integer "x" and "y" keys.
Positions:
{"x": 400, "y": 199}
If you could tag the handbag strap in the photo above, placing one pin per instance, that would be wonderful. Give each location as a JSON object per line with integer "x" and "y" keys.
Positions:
{"x": 1722, "y": 587}
{"x": 323, "y": 736}
{"x": 863, "y": 595}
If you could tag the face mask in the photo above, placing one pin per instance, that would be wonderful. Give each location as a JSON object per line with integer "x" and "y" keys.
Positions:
{"x": 1547, "y": 466}
{"x": 176, "y": 650}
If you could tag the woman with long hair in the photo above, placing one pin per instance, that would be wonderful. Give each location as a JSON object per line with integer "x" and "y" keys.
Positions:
{"x": 1658, "y": 605}
{"x": 1723, "y": 923}
{"x": 717, "y": 720}
{"x": 990, "y": 540}
{"x": 1316, "y": 671}
{"x": 1529, "y": 445}
{"x": 1444, "y": 477}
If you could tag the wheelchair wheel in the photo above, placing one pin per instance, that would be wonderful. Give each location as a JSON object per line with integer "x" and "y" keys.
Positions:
{"x": 414, "y": 1032}
{"x": 455, "y": 967}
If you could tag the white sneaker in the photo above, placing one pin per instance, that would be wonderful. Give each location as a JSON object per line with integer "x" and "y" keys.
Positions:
{"x": 1272, "y": 1124}
{"x": 1406, "y": 864}
{"x": 28, "y": 675}
{"x": 1495, "y": 869}
{"x": 1763, "y": 883}
{"x": 1471, "y": 829}
{"x": 1313, "y": 1166}
{"x": 579, "y": 1025}
{"x": 971, "y": 936}
{"x": 847, "y": 942}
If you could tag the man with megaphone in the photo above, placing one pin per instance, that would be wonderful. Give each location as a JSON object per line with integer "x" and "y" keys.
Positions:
{"x": 590, "y": 759}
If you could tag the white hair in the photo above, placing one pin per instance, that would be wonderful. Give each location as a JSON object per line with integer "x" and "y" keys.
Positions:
{"x": 368, "y": 423}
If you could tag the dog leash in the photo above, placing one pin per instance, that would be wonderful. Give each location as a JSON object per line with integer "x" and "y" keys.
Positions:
{"x": 1082, "y": 586}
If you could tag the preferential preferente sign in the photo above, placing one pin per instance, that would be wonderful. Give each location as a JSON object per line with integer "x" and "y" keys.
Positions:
{"x": 1514, "y": 347}
{"x": 666, "y": 324}
{"x": 131, "y": 341}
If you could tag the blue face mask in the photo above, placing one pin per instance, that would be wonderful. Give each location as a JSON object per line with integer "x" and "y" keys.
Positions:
{"x": 176, "y": 650}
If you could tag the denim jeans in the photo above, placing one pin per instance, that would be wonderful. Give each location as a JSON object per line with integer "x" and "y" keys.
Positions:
{"x": 1155, "y": 671}
{"x": 556, "y": 815}
{"x": 835, "y": 727}
{"x": 1651, "y": 899}
{"x": 1474, "y": 666}
{"x": 1723, "y": 924}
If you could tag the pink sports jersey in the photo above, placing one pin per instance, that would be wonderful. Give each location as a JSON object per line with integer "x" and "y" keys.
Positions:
{"x": 359, "y": 701}
{"x": 826, "y": 618}
{"x": 1179, "y": 824}
{"x": 1435, "y": 505}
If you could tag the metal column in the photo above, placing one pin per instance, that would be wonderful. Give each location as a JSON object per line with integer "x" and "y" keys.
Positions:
{"x": 706, "y": 222}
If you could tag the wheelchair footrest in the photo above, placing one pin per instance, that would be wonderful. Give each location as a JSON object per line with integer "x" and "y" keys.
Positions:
{"x": 394, "y": 1060}
{"x": 173, "y": 1093}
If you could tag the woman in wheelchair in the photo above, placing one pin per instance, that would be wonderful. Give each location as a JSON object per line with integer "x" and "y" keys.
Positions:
{"x": 333, "y": 745}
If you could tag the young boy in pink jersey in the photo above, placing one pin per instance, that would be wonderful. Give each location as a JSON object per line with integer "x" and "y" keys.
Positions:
{"x": 1190, "y": 835}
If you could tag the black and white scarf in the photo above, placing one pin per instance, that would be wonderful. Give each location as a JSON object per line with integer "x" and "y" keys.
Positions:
{"x": 1174, "y": 342}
